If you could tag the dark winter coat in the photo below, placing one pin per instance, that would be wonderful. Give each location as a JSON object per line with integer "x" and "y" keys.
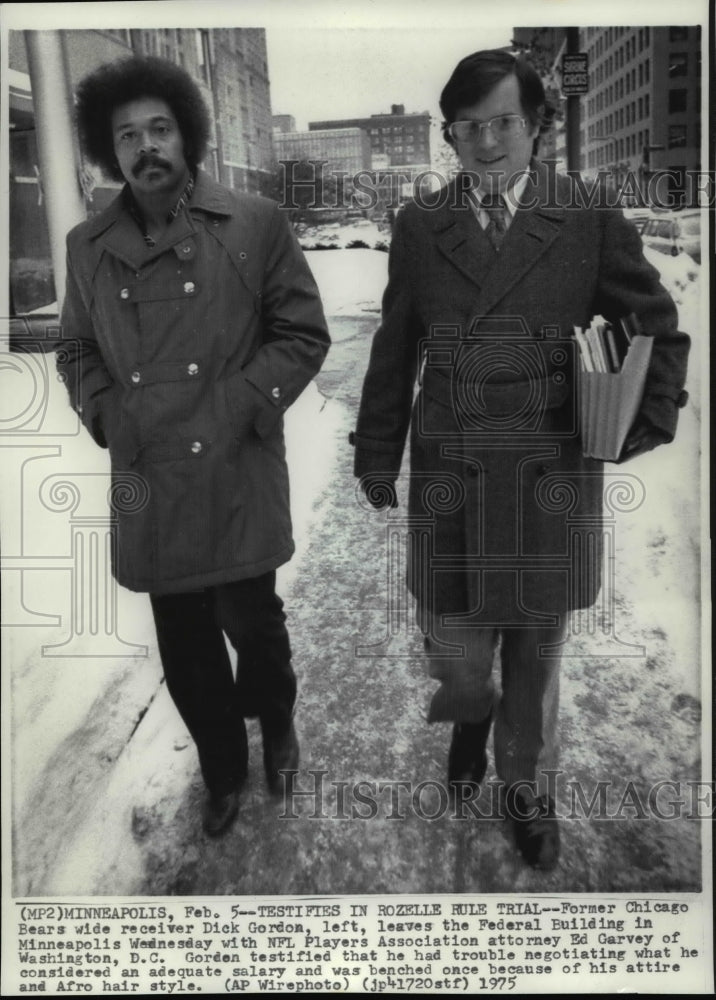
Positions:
{"x": 182, "y": 359}
{"x": 505, "y": 512}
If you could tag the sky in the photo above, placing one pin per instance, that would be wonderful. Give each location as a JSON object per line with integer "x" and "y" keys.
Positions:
{"x": 324, "y": 73}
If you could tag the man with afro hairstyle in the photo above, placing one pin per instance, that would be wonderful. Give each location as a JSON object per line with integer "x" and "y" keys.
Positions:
{"x": 191, "y": 323}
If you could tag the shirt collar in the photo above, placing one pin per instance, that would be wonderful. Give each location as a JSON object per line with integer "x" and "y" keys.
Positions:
{"x": 136, "y": 213}
{"x": 511, "y": 197}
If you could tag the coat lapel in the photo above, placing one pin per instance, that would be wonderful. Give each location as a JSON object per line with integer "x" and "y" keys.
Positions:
{"x": 119, "y": 234}
{"x": 462, "y": 240}
{"x": 533, "y": 229}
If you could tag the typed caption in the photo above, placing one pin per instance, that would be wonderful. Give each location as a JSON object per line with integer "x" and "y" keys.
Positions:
{"x": 538, "y": 944}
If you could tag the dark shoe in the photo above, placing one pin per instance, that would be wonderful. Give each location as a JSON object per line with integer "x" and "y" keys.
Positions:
{"x": 536, "y": 828}
{"x": 220, "y": 811}
{"x": 467, "y": 759}
{"x": 280, "y": 752}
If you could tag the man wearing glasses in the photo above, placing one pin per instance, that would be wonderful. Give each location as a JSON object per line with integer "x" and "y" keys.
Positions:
{"x": 484, "y": 292}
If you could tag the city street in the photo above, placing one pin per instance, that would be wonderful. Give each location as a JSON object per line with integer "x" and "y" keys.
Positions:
{"x": 107, "y": 791}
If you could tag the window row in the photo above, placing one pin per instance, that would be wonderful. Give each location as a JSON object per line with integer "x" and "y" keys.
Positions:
{"x": 623, "y": 117}
{"x": 636, "y": 42}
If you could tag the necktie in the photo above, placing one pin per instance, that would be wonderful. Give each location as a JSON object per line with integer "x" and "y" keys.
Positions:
{"x": 495, "y": 207}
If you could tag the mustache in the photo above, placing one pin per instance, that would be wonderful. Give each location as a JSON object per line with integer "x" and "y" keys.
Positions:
{"x": 149, "y": 160}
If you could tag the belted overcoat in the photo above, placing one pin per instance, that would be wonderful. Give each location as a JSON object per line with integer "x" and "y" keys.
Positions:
{"x": 505, "y": 514}
{"x": 182, "y": 359}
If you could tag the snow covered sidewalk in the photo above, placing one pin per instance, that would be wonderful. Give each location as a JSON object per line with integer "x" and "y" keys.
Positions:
{"x": 106, "y": 785}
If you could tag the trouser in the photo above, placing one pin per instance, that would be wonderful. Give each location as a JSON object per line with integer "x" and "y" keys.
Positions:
{"x": 525, "y": 713}
{"x": 213, "y": 704}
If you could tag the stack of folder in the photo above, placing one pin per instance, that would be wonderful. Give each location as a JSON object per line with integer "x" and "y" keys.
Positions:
{"x": 614, "y": 359}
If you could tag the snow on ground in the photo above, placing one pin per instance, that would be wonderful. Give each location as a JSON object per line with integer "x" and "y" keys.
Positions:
{"x": 657, "y": 572}
{"x": 664, "y": 540}
{"x": 350, "y": 282}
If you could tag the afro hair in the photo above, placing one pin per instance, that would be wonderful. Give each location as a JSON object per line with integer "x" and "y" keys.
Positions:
{"x": 117, "y": 83}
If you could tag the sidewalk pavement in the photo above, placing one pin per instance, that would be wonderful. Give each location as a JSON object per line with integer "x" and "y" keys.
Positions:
{"x": 115, "y": 807}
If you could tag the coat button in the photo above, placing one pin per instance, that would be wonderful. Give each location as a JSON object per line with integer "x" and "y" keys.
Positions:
{"x": 136, "y": 378}
{"x": 186, "y": 249}
{"x": 189, "y": 287}
{"x": 124, "y": 294}
{"x": 196, "y": 447}
{"x": 275, "y": 392}
{"x": 193, "y": 368}
{"x": 242, "y": 255}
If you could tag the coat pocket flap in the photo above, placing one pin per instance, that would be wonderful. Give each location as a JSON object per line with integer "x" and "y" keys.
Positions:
{"x": 166, "y": 371}
{"x": 150, "y": 291}
{"x": 168, "y": 451}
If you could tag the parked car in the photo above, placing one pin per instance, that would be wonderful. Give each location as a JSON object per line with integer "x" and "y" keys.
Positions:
{"x": 674, "y": 233}
{"x": 690, "y": 233}
{"x": 639, "y": 216}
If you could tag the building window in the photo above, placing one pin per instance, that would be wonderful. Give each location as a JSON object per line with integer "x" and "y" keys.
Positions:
{"x": 677, "y": 100}
{"x": 677, "y": 136}
{"x": 678, "y": 64}
{"x": 202, "y": 53}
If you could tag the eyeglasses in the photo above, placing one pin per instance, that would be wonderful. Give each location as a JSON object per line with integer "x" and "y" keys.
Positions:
{"x": 501, "y": 127}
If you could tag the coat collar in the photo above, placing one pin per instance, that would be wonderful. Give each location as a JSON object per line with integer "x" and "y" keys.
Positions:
{"x": 120, "y": 234}
{"x": 536, "y": 224}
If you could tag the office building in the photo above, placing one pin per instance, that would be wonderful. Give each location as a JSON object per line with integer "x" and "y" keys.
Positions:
{"x": 642, "y": 112}
{"x": 400, "y": 150}
{"x": 343, "y": 150}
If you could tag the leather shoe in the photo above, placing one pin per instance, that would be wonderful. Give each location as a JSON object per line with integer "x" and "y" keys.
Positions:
{"x": 536, "y": 828}
{"x": 467, "y": 759}
{"x": 220, "y": 811}
{"x": 281, "y": 753}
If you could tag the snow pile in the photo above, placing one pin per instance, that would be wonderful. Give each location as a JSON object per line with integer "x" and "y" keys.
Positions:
{"x": 681, "y": 276}
{"x": 339, "y": 235}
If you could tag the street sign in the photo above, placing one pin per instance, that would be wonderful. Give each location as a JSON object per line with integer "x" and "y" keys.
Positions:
{"x": 575, "y": 77}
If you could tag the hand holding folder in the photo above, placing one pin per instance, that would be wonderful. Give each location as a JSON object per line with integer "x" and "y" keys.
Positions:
{"x": 642, "y": 437}
{"x": 614, "y": 362}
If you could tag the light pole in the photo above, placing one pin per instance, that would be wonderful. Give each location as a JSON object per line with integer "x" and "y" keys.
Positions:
{"x": 573, "y": 108}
